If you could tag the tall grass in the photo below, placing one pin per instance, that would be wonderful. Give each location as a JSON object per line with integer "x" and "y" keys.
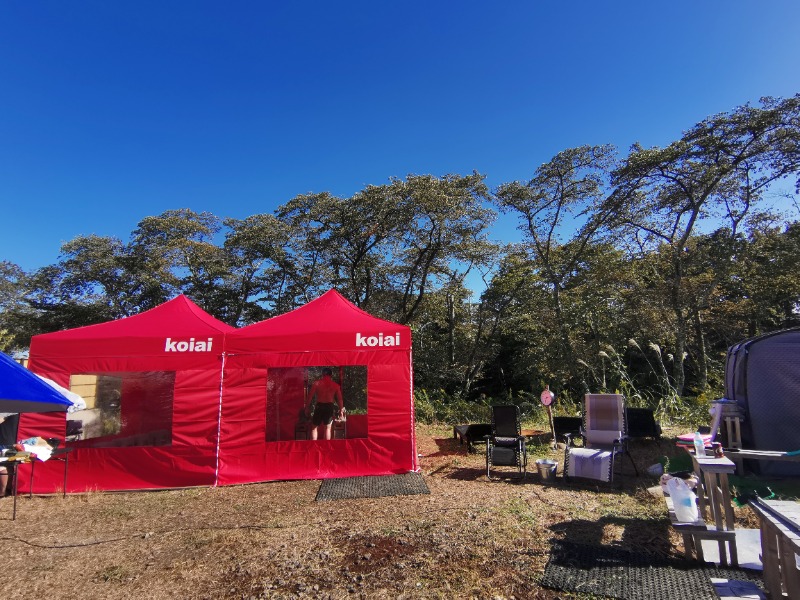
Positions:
{"x": 668, "y": 406}
{"x": 438, "y": 407}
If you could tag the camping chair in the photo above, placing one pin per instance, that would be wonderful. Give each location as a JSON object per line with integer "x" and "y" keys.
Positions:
{"x": 506, "y": 446}
{"x": 604, "y": 435}
{"x": 642, "y": 423}
{"x": 567, "y": 428}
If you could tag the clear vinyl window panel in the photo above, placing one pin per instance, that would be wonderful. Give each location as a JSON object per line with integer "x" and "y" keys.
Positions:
{"x": 302, "y": 403}
{"x": 122, "y": 409}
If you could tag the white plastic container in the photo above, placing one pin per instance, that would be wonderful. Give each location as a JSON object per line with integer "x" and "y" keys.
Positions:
{"x": 684, "y": 500}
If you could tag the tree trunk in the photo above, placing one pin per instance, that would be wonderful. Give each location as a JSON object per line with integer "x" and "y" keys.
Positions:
{"x": 678, "y": 374}
{"x": 566, "y": 346}
{"x": 680, "y": 320}
{"x": 702, "y": 357}
{"x": 451, "y": 326}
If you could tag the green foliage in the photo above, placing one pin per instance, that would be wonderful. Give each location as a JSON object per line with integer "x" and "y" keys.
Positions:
{"x": 439, "y": 407}
{"x": 567, "y": 405}
{"x": 6, "y": 340}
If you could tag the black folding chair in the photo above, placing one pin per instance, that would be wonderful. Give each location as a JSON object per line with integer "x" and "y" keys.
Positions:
{"x": 506, "y": 445}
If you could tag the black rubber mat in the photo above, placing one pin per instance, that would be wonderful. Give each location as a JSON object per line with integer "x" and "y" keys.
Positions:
{"x": 372, "y": 486}
{"x": 618, "y": 573}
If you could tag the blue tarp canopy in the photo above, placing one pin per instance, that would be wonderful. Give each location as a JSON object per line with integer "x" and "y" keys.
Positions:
{"x": 22, "y": 391}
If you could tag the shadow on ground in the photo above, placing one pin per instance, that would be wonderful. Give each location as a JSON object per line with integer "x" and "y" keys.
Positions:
{"x": 651, "y": 535}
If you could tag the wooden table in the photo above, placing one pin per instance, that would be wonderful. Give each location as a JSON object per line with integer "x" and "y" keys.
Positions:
{"x": 780, "y": 545}
{"x": 536, "y": 436}
{"x": 714, "y": 502}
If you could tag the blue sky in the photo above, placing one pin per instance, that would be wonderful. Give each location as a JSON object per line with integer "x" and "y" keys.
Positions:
{"x": 113, "y": 111}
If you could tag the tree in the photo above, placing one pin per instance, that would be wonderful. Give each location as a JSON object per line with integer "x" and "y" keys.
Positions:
{"x": 564, "y": 195}
{"x": 96, "y": 279}
{"x": 11, "y": 286}
{"x": 183, "y": 245}
{"x": 13, "y": 305}
{"x": 772, "y": 281}
{"x": 345, "y": 243}
{"x": 762, "y": 292}
{"x": 260, "y": 267}
{"x": 506, "y": 328}
{"x": 306, "y": 216}
{"x": 445, "y": 226}
{"x": 716, "y": 172}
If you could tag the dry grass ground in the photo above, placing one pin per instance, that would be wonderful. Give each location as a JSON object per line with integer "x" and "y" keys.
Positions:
{"x": 470, "y": 538}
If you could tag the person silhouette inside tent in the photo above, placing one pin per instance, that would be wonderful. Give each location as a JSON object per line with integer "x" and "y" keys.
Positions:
{"x": 327, "y": 394}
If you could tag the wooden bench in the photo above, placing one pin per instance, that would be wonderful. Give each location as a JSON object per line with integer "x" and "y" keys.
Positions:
{"x": 739, "y": 455}
{"x": 695, "y": 531}
{"x": 780, "y": 545}
{"x": 470, "y": 434}
{"x": 713, "y": 503}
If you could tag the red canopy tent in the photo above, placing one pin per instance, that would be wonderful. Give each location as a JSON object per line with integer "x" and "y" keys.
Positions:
{"x": 152, "y": 383}
{"x": 176, "y": 398}
{"x": 269, "y": 368}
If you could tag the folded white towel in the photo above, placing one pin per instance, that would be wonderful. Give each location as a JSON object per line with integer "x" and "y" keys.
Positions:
{"x": 589, "y": 463}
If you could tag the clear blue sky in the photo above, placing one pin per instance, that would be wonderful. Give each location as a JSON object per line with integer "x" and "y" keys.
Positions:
{"x": 113, "y": 111}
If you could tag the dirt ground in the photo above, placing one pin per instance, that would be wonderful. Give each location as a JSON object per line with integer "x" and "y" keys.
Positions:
{"x": 470, "y": 538}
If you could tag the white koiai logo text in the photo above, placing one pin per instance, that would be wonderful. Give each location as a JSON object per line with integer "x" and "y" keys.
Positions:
{"x": 190, "y": 345}
{"x": 380, "y": 340}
